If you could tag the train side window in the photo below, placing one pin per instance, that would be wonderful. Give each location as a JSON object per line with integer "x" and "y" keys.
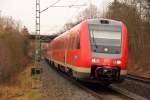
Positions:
{"x": 68, "y": 42}
{"x": 78, "y": 41}
{"x": 72, "y": 42}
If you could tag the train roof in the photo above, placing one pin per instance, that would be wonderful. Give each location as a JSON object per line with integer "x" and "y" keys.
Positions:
{"x": 104, "y": 21}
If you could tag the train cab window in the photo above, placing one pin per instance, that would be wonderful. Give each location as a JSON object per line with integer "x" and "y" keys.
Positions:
{"x": 71, "y": 44}
{"x": 71, "y": 40}
{"x": 106, "y": 39}
{"x": 78, "y": 41}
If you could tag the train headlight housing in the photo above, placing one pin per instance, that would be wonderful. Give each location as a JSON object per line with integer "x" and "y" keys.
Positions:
{"x": 118, "y": 62}
{"x": 94, "y": 60}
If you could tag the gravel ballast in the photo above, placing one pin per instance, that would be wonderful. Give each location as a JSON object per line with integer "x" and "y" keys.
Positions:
{"x": 56, "y": 87}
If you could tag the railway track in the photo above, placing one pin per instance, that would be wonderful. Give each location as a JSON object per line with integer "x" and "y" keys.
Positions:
{"x": 127, "y": 93}
{"x": 95, "y": 90}
{"x": 99, "y": 93}
{"x": 132, "y": 95}
{"x": 139, "y": 78}
{"x": 80, "y": 85}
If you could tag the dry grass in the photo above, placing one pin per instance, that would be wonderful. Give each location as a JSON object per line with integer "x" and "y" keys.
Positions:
{"x": 142, "y": 65}
{"x": 22, "y": 90}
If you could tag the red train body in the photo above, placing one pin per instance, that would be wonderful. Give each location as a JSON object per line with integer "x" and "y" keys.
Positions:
{"x": 94, "y": 50}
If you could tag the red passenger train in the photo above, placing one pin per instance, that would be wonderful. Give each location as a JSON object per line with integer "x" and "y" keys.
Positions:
{"x": 95, "y": 50}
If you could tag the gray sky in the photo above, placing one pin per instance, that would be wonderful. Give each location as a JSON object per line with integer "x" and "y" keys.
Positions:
{"x": 52, "y": 19}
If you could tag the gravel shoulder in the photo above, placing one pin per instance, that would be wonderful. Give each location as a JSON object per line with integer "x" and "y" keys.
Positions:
{"x": 56, "y": 87}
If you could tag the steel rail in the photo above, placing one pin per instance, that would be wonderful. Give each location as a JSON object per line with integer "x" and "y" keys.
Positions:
{"x": 92, "y": 92}
{"x": 113, "y": 87}
{"x": 73, "y": 81}
{"x": 123, "y": 92}
{"x": 127, "y": 93}
{"x": 139, "y": 78}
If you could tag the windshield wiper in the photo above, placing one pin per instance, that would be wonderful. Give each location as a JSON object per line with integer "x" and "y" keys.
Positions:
{"x": 94, "y": 39}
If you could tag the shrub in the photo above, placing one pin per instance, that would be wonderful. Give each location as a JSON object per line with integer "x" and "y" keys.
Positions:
{"x": 13, "y": 50}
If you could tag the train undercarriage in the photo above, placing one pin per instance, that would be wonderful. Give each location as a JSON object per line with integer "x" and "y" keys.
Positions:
{"x": 98, "y": 74}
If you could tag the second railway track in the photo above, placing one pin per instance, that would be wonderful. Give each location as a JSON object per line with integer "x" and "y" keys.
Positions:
{"x": 135, "y": 94}
{"x": 127, "y": 93}
{"x": 139, "y": 78}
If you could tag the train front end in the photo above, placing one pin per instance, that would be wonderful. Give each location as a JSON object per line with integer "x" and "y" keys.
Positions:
{"x": 109, "y": 49}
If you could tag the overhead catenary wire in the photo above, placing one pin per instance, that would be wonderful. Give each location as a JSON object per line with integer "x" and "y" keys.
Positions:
{"x": 50, "y": 6}
{"x": 54, "y": 5}
{"x": 70, "y": 6}
{"x": 78, "y": 6}
{"x": 38, "y": 13}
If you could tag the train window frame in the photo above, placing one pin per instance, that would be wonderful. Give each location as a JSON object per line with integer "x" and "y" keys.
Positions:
{"x": 71, "y": 43}
{"x": 73, "y": 40}
{"x": 78, "y": 40}
{"x": 121, "y": 42}
{"x": 68, "y": 41}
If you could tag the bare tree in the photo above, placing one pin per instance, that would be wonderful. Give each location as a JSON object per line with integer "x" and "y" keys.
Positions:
{"x": 129, "y": 15}
{"x": 13, "y": 52}
{"x": 88, "y": 13}
{"x": 136, "y": 15}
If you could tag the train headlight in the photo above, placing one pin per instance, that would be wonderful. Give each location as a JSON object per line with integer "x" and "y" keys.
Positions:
{"x": 94, "y": 60}
{"x": 118, "y": 62}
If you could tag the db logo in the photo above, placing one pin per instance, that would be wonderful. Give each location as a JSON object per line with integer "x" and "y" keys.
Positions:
{"x": 75, "y": 57}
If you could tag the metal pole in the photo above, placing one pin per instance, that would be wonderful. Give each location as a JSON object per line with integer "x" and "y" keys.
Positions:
{"x": 90, "y": 9}
{"x": 37, "y": 31}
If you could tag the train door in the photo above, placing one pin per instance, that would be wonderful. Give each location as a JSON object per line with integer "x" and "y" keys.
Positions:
{"x": 70, "y": 48}
{"x": 76, "y": 51}
{"x": 66, "y": 49}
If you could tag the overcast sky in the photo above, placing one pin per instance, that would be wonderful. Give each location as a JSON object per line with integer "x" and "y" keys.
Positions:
{"x": 52, "y": 19}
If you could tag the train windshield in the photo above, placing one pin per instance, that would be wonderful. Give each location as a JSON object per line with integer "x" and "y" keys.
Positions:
{"x": 106, "y": 39}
